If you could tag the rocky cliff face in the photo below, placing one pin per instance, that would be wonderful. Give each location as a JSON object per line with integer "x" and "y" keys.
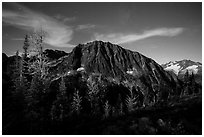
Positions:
{"x": 114, "y": 61}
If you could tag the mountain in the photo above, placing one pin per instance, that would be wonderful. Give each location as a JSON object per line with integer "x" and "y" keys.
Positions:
{"x": 54, "y": 54}
{"x": 113, "y": 63}
{"x": 181, "y": 67}
{"x": 111, "y": 60}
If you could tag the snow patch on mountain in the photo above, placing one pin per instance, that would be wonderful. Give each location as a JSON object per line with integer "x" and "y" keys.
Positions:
{"x": 129, "y": 72}
{"x": 192, "y": 69}
{"x": 173, "y": 67}
{"x": 81, "y": 69}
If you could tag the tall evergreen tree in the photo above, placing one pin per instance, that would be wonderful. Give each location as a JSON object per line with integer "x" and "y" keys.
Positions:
{"x": 76, "y": 104}
{"x": 26, "y": 46}
{"x": 25, "y": 58}
{"x": 193, "y": 83}
{"x": 94, "y": 96}
{"x": 186, "y": 77}
{"x": 60, "y": 107}
{"x": 131, "y": 101}
{"x": 19, "y": 79}
{"x": 107, "y": 109}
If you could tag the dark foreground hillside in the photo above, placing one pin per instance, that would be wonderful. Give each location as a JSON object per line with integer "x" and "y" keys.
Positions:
{"x": 183, "y": 117}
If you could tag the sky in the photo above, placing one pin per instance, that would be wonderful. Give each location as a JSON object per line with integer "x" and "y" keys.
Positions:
{"x": 161, "y": 31}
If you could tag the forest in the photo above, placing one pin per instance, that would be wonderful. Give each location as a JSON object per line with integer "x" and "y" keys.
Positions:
{"x": 37, "y": 102}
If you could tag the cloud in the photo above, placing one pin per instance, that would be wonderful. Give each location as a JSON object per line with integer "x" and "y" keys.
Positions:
{"x": 85, "y": 26}
{"x": 64, "y": 19}
{"x": 120, "y": 38}
{"x": 57, "y": 34}
{"x": 18, "y": 39}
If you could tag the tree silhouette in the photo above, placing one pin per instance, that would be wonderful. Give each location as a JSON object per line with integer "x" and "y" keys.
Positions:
{"x": 94, "y": 94}
{"x": 76, "y": 104}
{"x": 107, "y": 109}
{"x": 131, "y": 102}
{"x": 39, "y": 63}
{"x": 19, "y": 80}
{"x": 25, "y": 58}
{"x": 60, "y": 107}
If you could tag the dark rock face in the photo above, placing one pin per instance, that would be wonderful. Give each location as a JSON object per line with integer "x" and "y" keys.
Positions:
{"x": 109, "y": 59}
{"x": 114, "y": 61}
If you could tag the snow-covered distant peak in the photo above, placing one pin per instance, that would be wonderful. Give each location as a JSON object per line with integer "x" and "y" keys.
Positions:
{"x": 182, "y": 66}
{"x": 172, "y": 62}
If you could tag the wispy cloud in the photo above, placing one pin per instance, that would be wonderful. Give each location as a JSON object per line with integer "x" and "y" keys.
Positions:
{"x": 85, "y": 26}
{"x": 120, "y": 38}
{"x": 57, "y": 34}
{"x": 64, "y": 19}
{"x": 17, "y": 39}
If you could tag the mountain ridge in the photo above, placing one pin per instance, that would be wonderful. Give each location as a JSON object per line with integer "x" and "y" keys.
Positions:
{"x": 114, "y": 61}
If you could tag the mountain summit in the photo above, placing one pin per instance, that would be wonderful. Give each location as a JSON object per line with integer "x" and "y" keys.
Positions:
{"x": 112, "y": 60}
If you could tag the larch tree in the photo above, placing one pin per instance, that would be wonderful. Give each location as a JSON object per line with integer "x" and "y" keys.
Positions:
{"x": 39, "y": 64}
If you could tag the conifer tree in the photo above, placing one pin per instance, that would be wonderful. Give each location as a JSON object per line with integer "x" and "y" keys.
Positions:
{"x": 121, "y": 109}
{"x": 193, "y": 83}
{"x": 94, "y": 96}
{"x": 59, "y": 110}
{"x": 19, "y": 79}
{"x": 26, "y": 46}
{"x": 186, "y": 77}
{"x": 35, "y": 93}
{"x": 131, "y": 101}
{"x": 120, "y": 103}
{"x": 76, "y": 104}
{"x": 107, "y": 110}
{"x": 25, "y": 58}
{"x": 19, "y": 89}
